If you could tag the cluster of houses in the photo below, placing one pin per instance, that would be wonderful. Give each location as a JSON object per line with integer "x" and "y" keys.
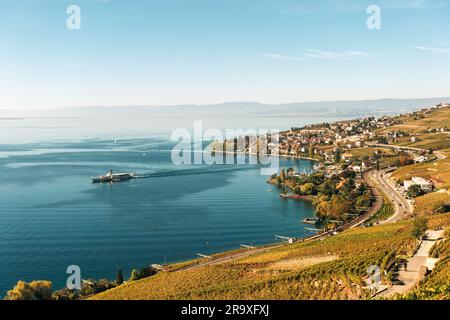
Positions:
{"x": 322, "y": 140}
{"x": 317, "y": 140}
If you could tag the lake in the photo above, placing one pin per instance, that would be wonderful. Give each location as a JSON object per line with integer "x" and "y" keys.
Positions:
{"x": 53, "y": 216}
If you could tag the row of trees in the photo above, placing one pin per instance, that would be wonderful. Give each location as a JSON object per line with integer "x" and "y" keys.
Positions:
{"x": 43, "y": 289}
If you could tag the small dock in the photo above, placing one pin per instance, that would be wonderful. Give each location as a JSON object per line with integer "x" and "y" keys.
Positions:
{"x": 311, "y": 221}
{"x": 292, "y": 196}
{"x": 288, "y": 239}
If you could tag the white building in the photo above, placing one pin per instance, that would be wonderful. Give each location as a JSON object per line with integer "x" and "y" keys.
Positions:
{"x": 420, "y": 159}
{"x": 424, "y": 184}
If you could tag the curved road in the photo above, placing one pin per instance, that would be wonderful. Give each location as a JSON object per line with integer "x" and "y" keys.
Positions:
{"x": 402, "y": 207}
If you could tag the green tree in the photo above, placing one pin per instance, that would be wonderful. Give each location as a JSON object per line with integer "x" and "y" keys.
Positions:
{"x": 419, "y": 227}
{"x": 67, "y": 294}
{"x": 348, "y": 187}
{"x": 414, "y": 191}
{"x": 327, "y": 188}
{"x": 119, "y": 277}
{"x": 307, "y": 188}
{"x": 311, "y": 150}
{"x": 134, "y": 275}
{"x": 337, "y": 156}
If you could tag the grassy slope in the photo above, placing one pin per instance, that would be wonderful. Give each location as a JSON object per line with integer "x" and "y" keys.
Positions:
{"x": 438, "y": 170}
{"x": 330, "y": 269}
{"x": 439, "y": 118}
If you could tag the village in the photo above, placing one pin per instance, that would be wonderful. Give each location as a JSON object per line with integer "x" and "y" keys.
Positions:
{"x": 360, "y": 144}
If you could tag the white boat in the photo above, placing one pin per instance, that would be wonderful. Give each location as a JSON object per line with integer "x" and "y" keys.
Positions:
{"x": 113, "y": 177}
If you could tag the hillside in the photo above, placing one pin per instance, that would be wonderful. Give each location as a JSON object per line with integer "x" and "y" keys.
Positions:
{"x": 334, "y": 268}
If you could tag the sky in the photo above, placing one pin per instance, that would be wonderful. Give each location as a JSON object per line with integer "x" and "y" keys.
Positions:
{"x": 165, "y": 52}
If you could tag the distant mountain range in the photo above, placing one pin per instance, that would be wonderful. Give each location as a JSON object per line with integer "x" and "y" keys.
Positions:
{"x": 347, "y": 108}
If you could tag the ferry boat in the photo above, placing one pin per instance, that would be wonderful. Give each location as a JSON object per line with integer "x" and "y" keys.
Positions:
{"x": 113, "y": 177}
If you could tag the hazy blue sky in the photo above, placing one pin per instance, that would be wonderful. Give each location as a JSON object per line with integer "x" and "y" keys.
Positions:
{"x": 198, "y": 51}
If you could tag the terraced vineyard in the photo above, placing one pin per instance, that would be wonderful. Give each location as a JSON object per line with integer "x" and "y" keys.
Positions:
{"x": 333, "y": 268}
{"x": 431, "y": 201}
{"x": 435, "y": 169}
{"x": 385, "y": 212}
{"x": 441, "y": 221}
{"x": 437, "y": 284}
{"x": 436, "y": 119}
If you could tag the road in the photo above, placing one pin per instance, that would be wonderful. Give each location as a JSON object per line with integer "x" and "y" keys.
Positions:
{"x": 438, "y": 154}
{"x": 402, "y": 207}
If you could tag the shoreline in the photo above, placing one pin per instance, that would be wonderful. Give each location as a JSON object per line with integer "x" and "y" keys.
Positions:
{"x": 272, "y": 155}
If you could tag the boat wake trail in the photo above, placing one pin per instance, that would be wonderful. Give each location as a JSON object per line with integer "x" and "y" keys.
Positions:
{"x": 189, "y": 172}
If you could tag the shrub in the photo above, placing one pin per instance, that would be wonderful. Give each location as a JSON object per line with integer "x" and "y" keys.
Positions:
{"x": 35, "y": 290}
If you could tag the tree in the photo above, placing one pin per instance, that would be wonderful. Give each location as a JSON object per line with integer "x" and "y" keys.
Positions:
{"x": 327, "y": 188}
{"x": 364, "y": 200}
{"x": 282, "y": 175}
{"x": 405, "y": 160}
{"x": 67, "y": 294}
{"x": 419, "y": 227}
{"x": 311, "y": 150}
{"x": 414, "y": 191}
{"x": 93, "y": 286}
{"x": 137, "y": 274}
{"x": 347, "y": 187}
{"x": 134, "y": 275}
{"x": 334, "y": 208}
{"x": 382, "y": 140}
{"x": 337, "y": 156}
{"x": 119, "y": 277}
{"x": 307, "y": 188}
{"x": 35, "y": 290}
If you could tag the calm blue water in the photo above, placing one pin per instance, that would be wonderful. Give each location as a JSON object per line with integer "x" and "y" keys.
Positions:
{"x": 52, "y": 216}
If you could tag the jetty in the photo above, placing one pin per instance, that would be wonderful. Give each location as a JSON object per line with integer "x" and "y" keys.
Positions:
{"x": 293, "y": 196}
{"x": 310, "y": 220}
{"x": 288, "y": 239}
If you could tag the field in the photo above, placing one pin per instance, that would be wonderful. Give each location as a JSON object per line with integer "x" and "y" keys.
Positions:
{"x": 330, "y": 269}
{"x": 438, "y": 171}
{"x": 431, "y": 201}
{"x": 385, "y": 212}
{"x": 439, "y": 118}
{"x": 435, "y": 141}
{"x": 369, "y": 152}
{"x": 334, "y": 268}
